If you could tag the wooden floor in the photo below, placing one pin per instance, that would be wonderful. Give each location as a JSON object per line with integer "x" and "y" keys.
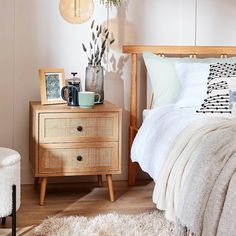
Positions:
{"x": 78, "y": 199}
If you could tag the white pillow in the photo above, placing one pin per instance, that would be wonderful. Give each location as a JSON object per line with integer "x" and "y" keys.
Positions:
{"x": 193, "y": 78}
{"x": 165, "y": 83}
{"x": 164, "y": 79}
{"x": 220, "y": 87}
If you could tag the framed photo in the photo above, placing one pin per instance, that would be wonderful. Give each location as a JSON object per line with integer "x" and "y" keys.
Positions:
{"x": 51, "y": 83}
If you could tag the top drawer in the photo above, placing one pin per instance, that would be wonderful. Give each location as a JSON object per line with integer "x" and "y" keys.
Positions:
{"x": 78, "y": 127}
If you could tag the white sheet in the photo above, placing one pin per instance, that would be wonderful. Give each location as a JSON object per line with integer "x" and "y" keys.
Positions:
{"x": 158, "y": 133}
{"x": 146, "y": 113}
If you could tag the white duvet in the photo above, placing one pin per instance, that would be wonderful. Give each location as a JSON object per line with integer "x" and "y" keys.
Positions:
{"x": 157, "y": 134}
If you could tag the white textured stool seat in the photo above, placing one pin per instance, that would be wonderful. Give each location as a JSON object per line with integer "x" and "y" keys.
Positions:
{"x": 9, "y": 176}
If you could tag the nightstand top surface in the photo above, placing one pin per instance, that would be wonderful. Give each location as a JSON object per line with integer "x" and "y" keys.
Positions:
{"x": 106, "y": 106}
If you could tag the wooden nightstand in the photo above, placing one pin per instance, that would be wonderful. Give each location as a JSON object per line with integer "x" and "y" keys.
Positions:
{"x": 67, "y": 141}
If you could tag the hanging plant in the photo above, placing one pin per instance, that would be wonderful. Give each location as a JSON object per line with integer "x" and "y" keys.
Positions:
{"x": 110, "y": 3}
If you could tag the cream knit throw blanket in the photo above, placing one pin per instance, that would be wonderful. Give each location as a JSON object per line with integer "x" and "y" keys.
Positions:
{"x": 207, "y": 205}
{"x": 198, "y": 182}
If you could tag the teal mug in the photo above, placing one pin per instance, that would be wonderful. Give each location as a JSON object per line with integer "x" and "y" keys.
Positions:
{"x": 87, "y": 99}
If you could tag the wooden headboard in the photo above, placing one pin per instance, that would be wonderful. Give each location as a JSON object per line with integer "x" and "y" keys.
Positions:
{"x": 177, "y": 51}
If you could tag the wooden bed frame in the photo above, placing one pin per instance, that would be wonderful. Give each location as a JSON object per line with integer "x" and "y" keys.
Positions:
{"x": 177, "y": 51}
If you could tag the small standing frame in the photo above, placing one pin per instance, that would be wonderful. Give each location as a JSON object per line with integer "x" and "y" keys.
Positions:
{"x": 51, "y": 83}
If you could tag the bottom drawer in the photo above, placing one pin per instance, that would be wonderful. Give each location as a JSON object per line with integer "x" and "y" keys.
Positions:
{"x": 82, "y": 158}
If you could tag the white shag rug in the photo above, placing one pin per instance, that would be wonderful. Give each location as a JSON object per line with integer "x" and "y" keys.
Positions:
{"x": 145, "y": 224}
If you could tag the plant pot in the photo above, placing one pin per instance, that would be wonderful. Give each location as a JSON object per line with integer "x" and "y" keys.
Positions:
{"x": 94, "y": 80}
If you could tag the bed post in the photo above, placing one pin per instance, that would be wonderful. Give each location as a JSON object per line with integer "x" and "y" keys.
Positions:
{"x": 133, "y": 116}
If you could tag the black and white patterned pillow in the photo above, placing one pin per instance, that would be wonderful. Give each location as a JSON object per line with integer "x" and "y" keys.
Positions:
{"x": 218, "y": 88}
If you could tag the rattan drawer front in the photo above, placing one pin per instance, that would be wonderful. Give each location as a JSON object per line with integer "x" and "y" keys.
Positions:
{"x": 87, "y": 158}
{"x": 79, "y": 127}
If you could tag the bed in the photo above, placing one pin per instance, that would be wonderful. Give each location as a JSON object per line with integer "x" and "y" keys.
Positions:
{"x": 189, "y": 151}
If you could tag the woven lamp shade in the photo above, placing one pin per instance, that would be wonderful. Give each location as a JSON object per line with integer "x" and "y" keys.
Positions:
{"x": 76, "y": 11}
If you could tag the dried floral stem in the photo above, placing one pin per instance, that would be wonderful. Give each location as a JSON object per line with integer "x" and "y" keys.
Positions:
{"x": 100, "y": 39}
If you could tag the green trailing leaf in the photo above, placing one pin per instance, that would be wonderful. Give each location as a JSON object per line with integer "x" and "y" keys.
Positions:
{"x": 110, "y": 3}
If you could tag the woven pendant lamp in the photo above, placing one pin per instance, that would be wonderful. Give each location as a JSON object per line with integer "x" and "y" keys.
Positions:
{"x": 76, "y": 11}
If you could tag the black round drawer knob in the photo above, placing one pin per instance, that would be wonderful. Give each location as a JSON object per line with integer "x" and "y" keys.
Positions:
{"x": 79, "y": 158}
{"x": 79, "y": 128}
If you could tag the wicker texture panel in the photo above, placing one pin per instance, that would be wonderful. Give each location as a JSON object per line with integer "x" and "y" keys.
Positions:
{"x": 68, "y": 127}
{"x": 65, "y": 160}
{"x": 78, "y": 127}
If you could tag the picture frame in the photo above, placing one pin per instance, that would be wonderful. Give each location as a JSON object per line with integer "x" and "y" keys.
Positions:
{"x": 51, "y": 82}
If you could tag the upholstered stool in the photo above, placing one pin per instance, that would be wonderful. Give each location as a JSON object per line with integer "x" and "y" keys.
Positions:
{"x": 9, "y": 185}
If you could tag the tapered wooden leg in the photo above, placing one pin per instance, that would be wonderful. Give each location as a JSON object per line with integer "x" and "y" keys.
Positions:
{"x": 99, "y": 181}
{"x": 110, "y": 187}
{"x": 36, "y": 181}
{"x": 43, "y": 190}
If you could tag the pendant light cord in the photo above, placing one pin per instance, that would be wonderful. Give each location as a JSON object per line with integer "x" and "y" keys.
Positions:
{"x": 195, "y": 34}
{"x": 75, "y": 8}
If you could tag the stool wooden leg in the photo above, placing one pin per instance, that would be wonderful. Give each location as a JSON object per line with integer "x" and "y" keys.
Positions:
{"x": 14, "y": 210}
{"x": 43, "y": 190}
{"x": 36, "y": 181}
{"x": 4, "y": 220}
{"x": 99, "y": 181}
{"x": 110, "y": 187}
